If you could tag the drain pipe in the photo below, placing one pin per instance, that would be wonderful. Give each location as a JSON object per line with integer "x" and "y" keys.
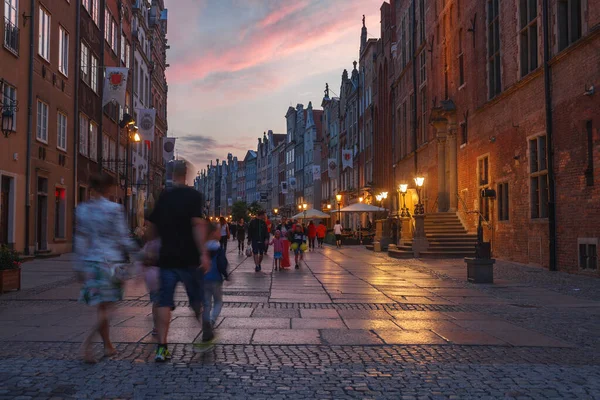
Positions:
{"x": 549, "y": 133}
{"x": 76, "y": 115}
{"x": 29, "y": 126}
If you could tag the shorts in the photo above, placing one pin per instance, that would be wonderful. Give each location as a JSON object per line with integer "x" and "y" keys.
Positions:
{"x": 191, "y": 279}
{"x": 338, "y": 237}
{"x": 155, "y": 297}
{"x": 258, "y": 248}
{"x": 278, "y": 255}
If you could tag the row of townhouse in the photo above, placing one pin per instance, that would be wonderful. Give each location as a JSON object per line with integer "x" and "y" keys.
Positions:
{"x": 56, "y": 131}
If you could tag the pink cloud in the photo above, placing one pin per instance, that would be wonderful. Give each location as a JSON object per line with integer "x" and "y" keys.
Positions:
{"x": 281, "y": 13}
{"x": 281, "y": 37}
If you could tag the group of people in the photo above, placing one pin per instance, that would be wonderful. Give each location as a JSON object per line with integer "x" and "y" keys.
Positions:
{"x": 181, "y": 246}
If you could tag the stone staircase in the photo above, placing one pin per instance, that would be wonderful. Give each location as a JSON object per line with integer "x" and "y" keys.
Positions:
{"x": 447, "y": 239}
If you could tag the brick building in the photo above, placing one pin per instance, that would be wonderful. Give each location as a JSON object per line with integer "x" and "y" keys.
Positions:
{"x": 476, "y": 118}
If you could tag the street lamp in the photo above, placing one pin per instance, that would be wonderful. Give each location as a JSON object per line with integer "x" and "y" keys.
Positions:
{"x": 276, "y": 211}
{"x": 360, "y": 199}
{"x": 132, "y": 135}
{"x": 338, "y": 197}
{"x": 419, "y": 209}
{"x": 403, "y": 189}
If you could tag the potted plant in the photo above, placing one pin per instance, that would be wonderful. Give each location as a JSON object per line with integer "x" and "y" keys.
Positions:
{"x": 10, "y": 270}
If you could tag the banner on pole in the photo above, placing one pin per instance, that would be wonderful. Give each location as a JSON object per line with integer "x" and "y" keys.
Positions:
{"x": 169, "y": 149}
{"x": 346, "y": 159}
{"x": 292, "y": 183}
{"x": 332, "y": 164}
{"x": 146, "y": 123}
{"x": 316, "y": 172}
{"x": 115, "y": 86}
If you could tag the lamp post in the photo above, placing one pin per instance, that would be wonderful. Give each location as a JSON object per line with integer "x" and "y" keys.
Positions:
{"x": 132, "y": 135}
{"x": 419, "y": 209}
{"x": 338, "y": 197}
{"x": 403, "y": 189}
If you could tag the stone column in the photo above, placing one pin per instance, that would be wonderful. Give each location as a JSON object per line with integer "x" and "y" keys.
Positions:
{"x": 420, "y": 242}
{"x": 452, "y": 166}
{"x": 441, "y": 127}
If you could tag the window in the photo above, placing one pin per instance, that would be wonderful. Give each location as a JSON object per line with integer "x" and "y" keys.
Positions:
{"x": 135, "y": 76}
{"x": 63, "y": 51}
{"x": 94, "y": 73}
{"x": 60, "y": 213}
{"x": 146, "y": 84}
{"x": 105, "y": 152}
{"x": 115, "y": 35}
{"x": 11, "y": 28}
{"x": 569, "y": 22}
{"x": 108, "y": 26}
{"x": 461, "y": 59}
{"x": 493, "y": 32}
{"x": 87, "y": 4}
{"x": 96, "y": 11}
{"x": 44, "y": 35}
{"x": 85, "y": 70}
{"x": 528, "y": 36}
{"x": 61, "y": 131}
{"x": 538, "y": 177}
{"x": 503, "y": 205}
{"x": 83, "y": 135}
{"x": 422, "y": 20}
{"x": 42, "y": 122}
{"x": 588, "y": 254}
{"x": 9, "y": 97}
{"x": 424, "y": 121}
{"x": 93, "y": 129}
{"x": 121, "y": 165}
{"x": 123, "y": 49}
{"x": 483, "y": 180}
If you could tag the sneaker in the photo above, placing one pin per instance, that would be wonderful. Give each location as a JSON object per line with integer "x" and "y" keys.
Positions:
{"x": 162, "y": 354}
{"x": 260, "y": 267}
{"x": 204, "y": 346}
{"x": 212, "y": 323}
{"x": 297, "y": 266}
{"x": 256, "y": 269}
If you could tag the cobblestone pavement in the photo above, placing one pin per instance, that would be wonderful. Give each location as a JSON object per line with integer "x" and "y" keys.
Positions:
{"x": 348, "y": 324}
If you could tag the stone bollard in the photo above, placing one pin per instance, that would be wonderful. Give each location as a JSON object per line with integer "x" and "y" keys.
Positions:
{"x": 480, "y": 270}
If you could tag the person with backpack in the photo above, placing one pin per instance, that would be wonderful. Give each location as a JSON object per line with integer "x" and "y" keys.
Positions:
{"x": 258, "y": 237}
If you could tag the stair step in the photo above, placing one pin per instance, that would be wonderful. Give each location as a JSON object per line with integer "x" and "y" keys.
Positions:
{"x": 449, "y": 254}
{"x": 401, "y": 254}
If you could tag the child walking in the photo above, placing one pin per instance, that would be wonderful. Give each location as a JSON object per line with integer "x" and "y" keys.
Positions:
{"x": 298, "y": 242}
{"x": 277, "y": 243}
{"x": 213, "y": 290}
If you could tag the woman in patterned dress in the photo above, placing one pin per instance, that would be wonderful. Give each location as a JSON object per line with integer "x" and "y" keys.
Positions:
{"x": 101, "y": 241}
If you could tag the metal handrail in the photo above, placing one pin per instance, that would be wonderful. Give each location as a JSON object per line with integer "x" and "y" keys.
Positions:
{"x": 467, "y": 211}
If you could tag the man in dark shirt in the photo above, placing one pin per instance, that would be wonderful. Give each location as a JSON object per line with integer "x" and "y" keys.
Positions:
{"x": 258, "y": 236}
{"x": 177, "y": 219}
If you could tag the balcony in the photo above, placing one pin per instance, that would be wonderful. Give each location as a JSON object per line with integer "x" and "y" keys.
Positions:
{"x": 11, "y": 37}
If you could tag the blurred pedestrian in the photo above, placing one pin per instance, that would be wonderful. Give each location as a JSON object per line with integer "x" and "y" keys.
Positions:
{"x": 233, "y": 230}
{"x": 277, "y": 243}
{"x": 258, "y": 236}
{"x": 298, "y": 244}
{"x": 102, "y": 244}
{"x": 224, "y": 230}
{"x": 241, "y": 235}
{"x": 177, "y": 219}
{"x": 321, "y": 232}
{"x": 312, "y": 235}
{"x": 337, "y": 230}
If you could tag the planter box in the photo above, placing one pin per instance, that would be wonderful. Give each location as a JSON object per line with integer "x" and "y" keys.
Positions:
{"x": 10, "y": 279}
{"x": 480, "y": 270}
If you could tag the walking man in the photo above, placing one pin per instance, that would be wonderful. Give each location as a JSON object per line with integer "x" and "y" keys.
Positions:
{"x": 258, "y": 236}
{"x": 177, "y": 219}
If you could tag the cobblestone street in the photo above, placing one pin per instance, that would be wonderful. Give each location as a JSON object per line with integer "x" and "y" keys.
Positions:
{"x": 349, "y": 324}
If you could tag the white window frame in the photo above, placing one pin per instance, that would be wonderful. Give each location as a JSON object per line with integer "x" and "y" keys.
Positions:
{"x": 94, "y": 73}
{"x": 85, "y": 63}
{"x": 44, "y": 33}
{"x": 540, "y": 172}
{"x": 83, "y": 135}
{"x": 9, "y": 97}
{"x": 41, "y": 133}
{"x": 93, "y": 132}
{"x": 96, "y": 11}
{"x": 528, "y": 30}
{"x": 11, "y": 11}
{"x": 63, "y": 51}
{"x": 61, "y": 131}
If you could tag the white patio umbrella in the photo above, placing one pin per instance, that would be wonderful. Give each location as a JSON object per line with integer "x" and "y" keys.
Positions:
{"x": 311, "y": 214}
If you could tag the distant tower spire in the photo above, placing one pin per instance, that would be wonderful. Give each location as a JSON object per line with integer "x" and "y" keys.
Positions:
{"x": 363, "y": 35}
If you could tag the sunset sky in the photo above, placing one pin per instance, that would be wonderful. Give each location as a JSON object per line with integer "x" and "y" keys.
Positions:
{"x": 237, "y": 65}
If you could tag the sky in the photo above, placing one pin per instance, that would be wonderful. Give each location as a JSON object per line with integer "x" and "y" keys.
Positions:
{"x": 237, "y": 65}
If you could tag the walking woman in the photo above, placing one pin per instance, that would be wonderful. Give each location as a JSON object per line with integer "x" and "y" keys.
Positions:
{"x": 241, "y": 235}
{"x": 312, "y": 235}
{"x": 102, "y": 244}
{"x": 224, "y": 227}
